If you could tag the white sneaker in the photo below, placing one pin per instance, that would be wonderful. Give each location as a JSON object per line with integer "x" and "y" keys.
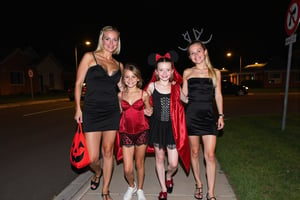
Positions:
{"x": 140, "y": 194}
{"x": 130, "y": 191}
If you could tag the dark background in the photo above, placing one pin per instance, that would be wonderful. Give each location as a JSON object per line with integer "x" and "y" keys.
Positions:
{"x": 254, "y": 30}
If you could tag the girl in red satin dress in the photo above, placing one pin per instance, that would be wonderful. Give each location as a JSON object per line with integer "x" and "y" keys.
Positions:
{"x": 132, "y": 137}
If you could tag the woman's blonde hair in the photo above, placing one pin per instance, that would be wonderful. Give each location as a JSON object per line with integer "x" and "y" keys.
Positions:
{"x": 100, "y": 40}
{"x": 211, "y": 70}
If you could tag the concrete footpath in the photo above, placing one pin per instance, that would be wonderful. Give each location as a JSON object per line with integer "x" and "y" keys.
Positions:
{"x": 184, "y": 185}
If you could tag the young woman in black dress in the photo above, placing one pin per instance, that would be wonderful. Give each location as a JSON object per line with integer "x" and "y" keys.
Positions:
{"x": 202, "y": 86}
{"x": 101, "y": 112}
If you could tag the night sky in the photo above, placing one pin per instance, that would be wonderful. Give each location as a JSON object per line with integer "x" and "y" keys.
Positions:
{"x": 254, "y": 30}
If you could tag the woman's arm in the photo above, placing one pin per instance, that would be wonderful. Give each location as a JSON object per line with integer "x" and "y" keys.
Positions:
{"x": 80, "y": 76}
{"x": 183, "y": 98}
{"x": 120, "y": 99}
{"x": 184, "y": 82}
{"x": 219, "y": 100}
{"x": 150, "y": 89}
{"x": 148, "y": 108}
{"x": 120, "y": 83}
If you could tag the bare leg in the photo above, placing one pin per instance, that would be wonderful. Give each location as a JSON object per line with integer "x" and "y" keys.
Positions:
{"x": 93, "y": 144}
{"x": 172, "y": 162}
{"x": 209, "y": 143}
{"x": 160, "y": 167}
{"x": 108, "y": 140}
{"x": 195, "y": 151}
{"x": 128, "y": 164}
{"x": 140, "y": 164}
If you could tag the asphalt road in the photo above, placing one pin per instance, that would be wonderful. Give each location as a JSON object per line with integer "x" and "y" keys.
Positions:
{"x": 35, "y": 147}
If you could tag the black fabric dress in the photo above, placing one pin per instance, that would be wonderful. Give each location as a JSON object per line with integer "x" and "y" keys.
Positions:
{"x": 161, "y": 132}
{"x": 101, "y": 109}
{"x": 200, "y": 118}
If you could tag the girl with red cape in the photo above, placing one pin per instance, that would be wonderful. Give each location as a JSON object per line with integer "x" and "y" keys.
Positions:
{"x": 168, "y": 131}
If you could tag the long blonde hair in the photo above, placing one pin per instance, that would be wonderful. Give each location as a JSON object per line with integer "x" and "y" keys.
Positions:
{"x": 211, "y": 69}
{"x": 100, "y": 40}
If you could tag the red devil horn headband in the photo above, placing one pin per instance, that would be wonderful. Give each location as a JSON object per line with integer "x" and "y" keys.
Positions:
{"x": 157, "y": 56}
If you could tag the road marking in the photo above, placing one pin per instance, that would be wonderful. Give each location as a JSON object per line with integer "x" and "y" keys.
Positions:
{"x": 45, "y": 111}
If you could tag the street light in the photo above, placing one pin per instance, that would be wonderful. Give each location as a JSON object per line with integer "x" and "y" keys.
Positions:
{"x": 229, "y": 54}
{"x": 87, "y": 43}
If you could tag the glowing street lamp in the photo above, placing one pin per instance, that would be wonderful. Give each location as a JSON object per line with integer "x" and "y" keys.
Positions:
{"x": 87, "y": 43}
{"x": 229, "y": 54}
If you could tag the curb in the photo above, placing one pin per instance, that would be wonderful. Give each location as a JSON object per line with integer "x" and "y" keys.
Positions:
{"x": 77, "y": 188}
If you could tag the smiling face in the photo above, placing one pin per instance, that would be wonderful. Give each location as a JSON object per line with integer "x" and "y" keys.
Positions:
{"x": 110, "y": 41}
{"x": 196, "y": 53}
{"x": 130, "y": 79}
{"x": 164, "y": 71}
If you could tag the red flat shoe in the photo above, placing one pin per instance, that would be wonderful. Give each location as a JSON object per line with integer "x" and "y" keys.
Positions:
{"x": 162, "y": 196}
{"x": 169, "y": 184}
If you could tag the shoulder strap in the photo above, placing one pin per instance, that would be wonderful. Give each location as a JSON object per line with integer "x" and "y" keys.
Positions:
{"x": 95, "y": 58}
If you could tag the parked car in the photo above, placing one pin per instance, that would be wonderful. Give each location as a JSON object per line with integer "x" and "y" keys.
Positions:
{"x": 71, "y": 92}
{"x": 231, "y": 88}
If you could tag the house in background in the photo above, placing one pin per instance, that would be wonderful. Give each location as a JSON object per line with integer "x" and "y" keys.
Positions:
{"x": 24, "y": 72}
{"x": 272, "y": 74}
{"x": 50, "y": 74}
{"x": 13, "y": 72}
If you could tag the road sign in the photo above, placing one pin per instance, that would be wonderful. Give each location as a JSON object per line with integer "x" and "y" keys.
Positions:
{"x": 292, "y": 17}
{"x": 30, "y": 73}
{"x": 291, "y": 39}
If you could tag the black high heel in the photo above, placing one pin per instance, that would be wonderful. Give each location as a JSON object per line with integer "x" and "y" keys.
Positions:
{"x": 210, "y": 198}
{"x": 106, "y": 196}
{"x": 94, "y": 183}
{"x": 198, "y": 192}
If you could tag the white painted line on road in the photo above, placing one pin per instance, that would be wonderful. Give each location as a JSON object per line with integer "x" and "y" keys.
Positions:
{"x": 45, "y": 111}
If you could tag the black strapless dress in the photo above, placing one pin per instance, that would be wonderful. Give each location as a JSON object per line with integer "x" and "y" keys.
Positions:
{"x": 200, "y": 118}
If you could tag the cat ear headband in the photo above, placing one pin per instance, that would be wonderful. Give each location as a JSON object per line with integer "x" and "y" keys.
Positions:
{"x": 197, "y": 35}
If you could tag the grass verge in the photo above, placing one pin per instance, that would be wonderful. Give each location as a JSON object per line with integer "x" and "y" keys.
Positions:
{"x": 260, "y": 160}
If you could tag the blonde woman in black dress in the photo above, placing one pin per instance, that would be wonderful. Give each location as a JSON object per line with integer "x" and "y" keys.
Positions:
{"x": 202, "y": 85}
{"x": 101, "y": 112}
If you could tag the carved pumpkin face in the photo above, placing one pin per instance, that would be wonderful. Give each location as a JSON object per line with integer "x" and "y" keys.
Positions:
{"x": 79, "y": 156}
{"x": 78, "y": 151}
